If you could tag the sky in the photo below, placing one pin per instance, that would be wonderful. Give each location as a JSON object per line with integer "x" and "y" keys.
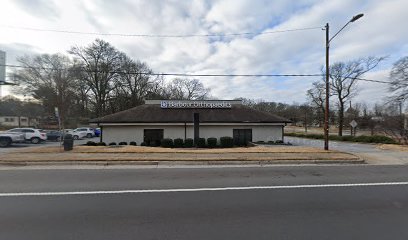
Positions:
{"x": 271, "y": 49}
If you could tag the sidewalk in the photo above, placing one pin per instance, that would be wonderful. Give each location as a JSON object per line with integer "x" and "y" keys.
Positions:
{"x": 155, "y": 156}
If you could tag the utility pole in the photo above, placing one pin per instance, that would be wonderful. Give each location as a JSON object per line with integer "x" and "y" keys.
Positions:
{"x": 326, "y": 112}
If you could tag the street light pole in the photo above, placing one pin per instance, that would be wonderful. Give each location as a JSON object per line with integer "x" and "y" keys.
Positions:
{"x": 326, "y": 112}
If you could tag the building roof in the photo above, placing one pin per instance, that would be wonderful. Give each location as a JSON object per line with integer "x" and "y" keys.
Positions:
{"x": 154, "y": 113}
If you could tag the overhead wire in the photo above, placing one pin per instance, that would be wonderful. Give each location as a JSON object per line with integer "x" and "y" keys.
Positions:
{"x": 159, "y": 35}
{"x": 198, "y": 75}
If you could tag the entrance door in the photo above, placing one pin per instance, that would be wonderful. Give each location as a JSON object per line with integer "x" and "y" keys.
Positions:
{"x": 242, "y": 136}
{"x": 153, "y": 137}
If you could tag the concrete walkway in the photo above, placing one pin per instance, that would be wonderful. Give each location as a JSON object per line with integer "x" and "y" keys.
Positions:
{"x": 369, "y": 152}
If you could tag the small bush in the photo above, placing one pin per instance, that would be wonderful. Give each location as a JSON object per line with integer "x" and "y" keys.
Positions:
{"x": 133, "y": 143}
{"x": 212, "y": 142}
{"x": 100, "y": 144}
{"x": 167, "y": 142}
{"x": 279, "y": 142}
{"x": 123, "y": 143}
{"x": 271, "y": 142}
{"x": 226, "y": 142}
{"x": 201, "y": 143}
{"x": 143, "y": 144}
{"x": 112, "y": 144}
{"x": 90, "y": 143}
{"x": 178, "y": 143}
{"x": 189, "y": 143}
{"x": 260, "y": 142}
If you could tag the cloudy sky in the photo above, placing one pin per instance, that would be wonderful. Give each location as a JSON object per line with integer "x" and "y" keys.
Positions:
{"x": 270, "y": 50}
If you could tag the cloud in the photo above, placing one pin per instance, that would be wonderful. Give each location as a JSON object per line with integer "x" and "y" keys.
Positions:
{"x": 39, "y": 8}
{"x": 378, "y": 33}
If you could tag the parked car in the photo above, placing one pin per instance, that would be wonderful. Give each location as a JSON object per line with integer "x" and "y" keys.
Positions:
{"x": 75, "y": 134}
{"x": 54, "y": 135}
{"x": 97, "y": 132}
{"x": 31, "y": 134}
{"x": 90, "y": 132}
{"x": 7, "y": 138}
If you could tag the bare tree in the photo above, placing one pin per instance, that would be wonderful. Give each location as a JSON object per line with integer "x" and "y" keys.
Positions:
{"x": 399, "y": 80}
{"x": 317, "y": 97}
{"x": 343, "y": 81}
{"x": 101, "y": 64}
{"x": 188, "y": 89}
{"x": 49, "y": 79}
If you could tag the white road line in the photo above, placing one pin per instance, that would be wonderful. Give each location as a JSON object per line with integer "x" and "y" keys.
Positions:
{"x": 17, "y": 194}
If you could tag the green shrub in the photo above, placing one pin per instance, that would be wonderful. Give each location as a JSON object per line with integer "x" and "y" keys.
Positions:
{"x": 100, "y": 144}
{"x": 271, "y": 142}
{"x": 260, "y": 142}
{"x": 347, "y": 138}
{"x": 212, "y": 142}
{"x": 167, "y": 142}
{"x": 133, "y": 143}
{"x": 90, "y": 143}
{"x": 189, "y": 143}
{"x": 143, "y": 144}
{"x": 112, "y": 144}
{"x": 362, "y": 139}
{"x": 279, "y": 142}
{"x": 226, "y": 142}
{"x": 123, "y": 143}
{"x": 382, "y": 139}
{"x": 178, "y": 143}
{"x": 201, "y": 143}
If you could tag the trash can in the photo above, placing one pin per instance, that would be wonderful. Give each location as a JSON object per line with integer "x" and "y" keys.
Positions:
{"x": 68, "y": 142}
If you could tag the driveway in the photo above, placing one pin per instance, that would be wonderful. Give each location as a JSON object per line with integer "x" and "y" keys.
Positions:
{"x": 367, "y": 151}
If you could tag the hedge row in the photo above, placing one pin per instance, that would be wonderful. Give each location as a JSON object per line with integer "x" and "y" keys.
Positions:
{"x": 224, "y": 142}
{"x": 366, "y": 139}
{"x": 92, "y": 143}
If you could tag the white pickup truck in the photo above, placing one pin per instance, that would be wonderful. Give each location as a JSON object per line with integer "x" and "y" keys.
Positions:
{"x": 7, "y": 138}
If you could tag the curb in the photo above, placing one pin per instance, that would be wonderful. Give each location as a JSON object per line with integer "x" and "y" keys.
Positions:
{"x": 167, "y": 163}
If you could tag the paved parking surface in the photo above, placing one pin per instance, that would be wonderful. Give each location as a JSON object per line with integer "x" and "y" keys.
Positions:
{"x": 16, "y": 146}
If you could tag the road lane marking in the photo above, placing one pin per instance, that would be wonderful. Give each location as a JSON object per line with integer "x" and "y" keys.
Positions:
{"x": 17, "y": 194}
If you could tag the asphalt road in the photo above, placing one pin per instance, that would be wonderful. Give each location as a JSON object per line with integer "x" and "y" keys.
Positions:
{"x": 170, "y": 203}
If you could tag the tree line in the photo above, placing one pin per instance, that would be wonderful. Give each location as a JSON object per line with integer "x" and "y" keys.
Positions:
{"x": 96, "y": 80}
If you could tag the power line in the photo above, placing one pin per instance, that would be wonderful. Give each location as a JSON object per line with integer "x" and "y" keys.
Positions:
{"x": 198, "y": 75}
{"x": 160, "y": 35}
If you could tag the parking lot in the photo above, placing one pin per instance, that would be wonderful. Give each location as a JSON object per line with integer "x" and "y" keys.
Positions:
{"x": 16, "y": 146}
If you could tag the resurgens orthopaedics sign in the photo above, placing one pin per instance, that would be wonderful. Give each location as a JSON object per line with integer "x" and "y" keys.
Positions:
{"x": 195, "y": 104}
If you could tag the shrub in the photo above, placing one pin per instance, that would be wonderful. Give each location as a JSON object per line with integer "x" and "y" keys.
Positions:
{"x": 189, "y": 143}
{"x": 201, "y": 143}
{"x": 362, "y": 139}
{"x": 271, "y": 142}
{"x": 167, "y": 142}
{"x": 212, "y": 142}
{"x": 90, "y": 143}
{"x": 260, "y": 142}
{"x": 133, "y": 143}
{"x": 154, "y": 143}
{"x": 100, "y": 144}
{"x": 112, "y": 144}
{"x": 226, "y": 142}
{"x": 347, "y": 138}
{"x": 123, "y": 143}
{"x": 382, "y": 139}
{"x": 178, "y": 143}
{"x": 143, "y": 144}
{"x": 279, "y": 142}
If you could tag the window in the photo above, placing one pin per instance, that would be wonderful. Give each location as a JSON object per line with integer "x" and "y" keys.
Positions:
{"x": 9, "y": 119}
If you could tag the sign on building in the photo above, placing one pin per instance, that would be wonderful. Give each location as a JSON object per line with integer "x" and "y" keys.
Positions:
{"x": 194, "y": 104}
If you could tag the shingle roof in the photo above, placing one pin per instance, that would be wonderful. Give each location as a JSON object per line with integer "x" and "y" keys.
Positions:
{"x": 149, "y": 113}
